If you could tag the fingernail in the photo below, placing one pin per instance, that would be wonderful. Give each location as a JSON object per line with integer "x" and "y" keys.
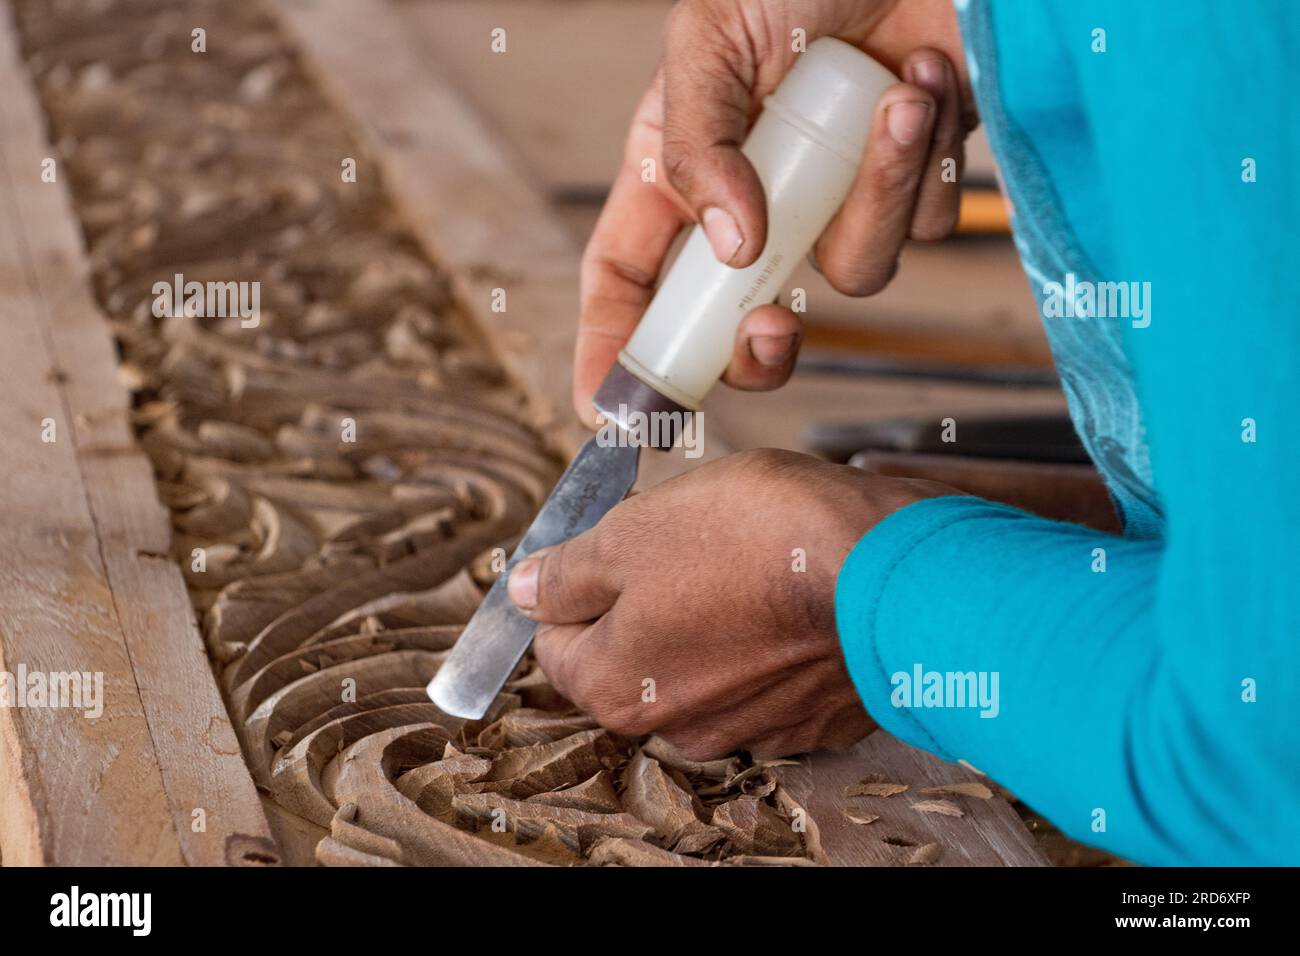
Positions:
{"x": 906, "y": 120}
{"x": 522, "y": 585}
{"x": 724, "y": 235}
{"x": 772, "y": 350}
{"x": 931, "y": 75}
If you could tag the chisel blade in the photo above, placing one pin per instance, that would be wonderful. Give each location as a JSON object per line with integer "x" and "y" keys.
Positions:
{"x": 494, "y": 640}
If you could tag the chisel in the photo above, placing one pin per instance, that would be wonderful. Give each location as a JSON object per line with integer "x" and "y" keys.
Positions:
{"x": 806, "y": 146}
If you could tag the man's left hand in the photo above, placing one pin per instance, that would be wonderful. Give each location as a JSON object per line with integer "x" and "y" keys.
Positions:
{"x": 704, "y": 609}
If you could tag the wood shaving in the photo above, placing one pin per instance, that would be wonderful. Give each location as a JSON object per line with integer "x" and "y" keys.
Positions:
{"x": 945, "y": 807}
{"x": 871, "y": 788}
{"x": 923, "y": 855}
{"x": 756, "y": 828}
{"x": 860, "y": 818}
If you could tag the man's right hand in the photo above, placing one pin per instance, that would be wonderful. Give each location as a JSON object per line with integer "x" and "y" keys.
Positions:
{"x": 722, "y": 57}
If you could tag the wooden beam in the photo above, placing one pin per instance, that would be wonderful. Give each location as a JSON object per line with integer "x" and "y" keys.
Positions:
{"x": 85, "y": 579}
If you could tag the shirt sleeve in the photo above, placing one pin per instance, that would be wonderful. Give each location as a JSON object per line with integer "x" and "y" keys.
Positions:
{"x": 1149, "y": 705}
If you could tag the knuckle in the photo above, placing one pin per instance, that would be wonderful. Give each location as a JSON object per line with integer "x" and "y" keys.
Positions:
{"x": 558, "y": 670}
{"x": 614, "y": 542}
{"x": 896, "y": 179}
{"x": 553, "y": 588}
{"x": 617, "y": 707}
{"x": 581, "y": 685}
{"x": 680, "y": 159}
{"x": 543, "y": 646}
{"x": 766, "y": 463}
{"x": 630, "y": 720}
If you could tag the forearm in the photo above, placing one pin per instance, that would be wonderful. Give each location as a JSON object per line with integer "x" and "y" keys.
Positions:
{"x": 1098, "y": 720}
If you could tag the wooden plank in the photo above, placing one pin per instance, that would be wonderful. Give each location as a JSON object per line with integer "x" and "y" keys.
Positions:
{"x": 482, "y": 221}
{"x": 184, "y": 750}
{"x": 68, "y": 779}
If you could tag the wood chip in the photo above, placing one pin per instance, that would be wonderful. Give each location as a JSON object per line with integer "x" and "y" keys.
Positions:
{"x": 595, "y": 795}
{"x": 873, "y": 788}
{"x": 721, "y": 769}
{"x": 755, "y": 828}
{"x": 526, "y": 727}
{"x": 925, "y": 854}
{"x": 858, "y": 817}
{"x": 613, "y": 851}
{"x": 528, "y": 820}
{"x": 968, "y": 789}
{"x": 945, "y": 807}
{"x": 552, "y": 766}
{"x": 746, "y": 859}
{"x": 664, "y": 801}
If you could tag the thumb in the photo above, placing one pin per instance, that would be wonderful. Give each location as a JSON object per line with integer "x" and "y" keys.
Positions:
{"x": 708, "y": 94}
{"x": 564, "y": 584}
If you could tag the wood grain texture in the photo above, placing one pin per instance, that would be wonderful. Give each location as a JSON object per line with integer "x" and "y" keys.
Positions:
{"x": 85, "y": 580}
{"x": 988, "y": 834}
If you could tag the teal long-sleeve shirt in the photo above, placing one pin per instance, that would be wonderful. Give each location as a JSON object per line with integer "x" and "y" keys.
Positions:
{"x": 1147, "y": 685}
